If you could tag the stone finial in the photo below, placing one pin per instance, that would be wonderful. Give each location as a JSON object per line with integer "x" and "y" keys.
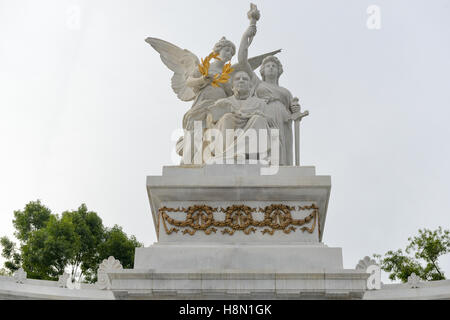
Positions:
{"x": 365, "y": 263}
{"x": 20, "y": 276}
{"x": 62, "y": 280}
{"x": 413, "y": 281}
{"x": 110, "y": 264}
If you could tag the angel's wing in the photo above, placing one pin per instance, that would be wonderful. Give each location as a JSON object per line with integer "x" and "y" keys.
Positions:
{"x": 255, "y": 62}
{"x": 181, "y": 61}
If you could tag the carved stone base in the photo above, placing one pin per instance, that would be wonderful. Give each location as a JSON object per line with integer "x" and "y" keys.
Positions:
{"x": 203, "y": 257}
{"x": 229, "y": 232}
{"x": 227, "y": 271}
{"x": 145, "y": 284}
{"x": 236, "y": 203}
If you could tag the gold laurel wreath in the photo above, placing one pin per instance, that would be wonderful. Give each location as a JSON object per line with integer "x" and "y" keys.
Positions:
{"x": 226, "y": 70}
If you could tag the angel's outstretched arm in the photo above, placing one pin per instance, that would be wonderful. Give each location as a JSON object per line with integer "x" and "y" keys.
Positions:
{"x": 194, "y": 82}
{"x": 197, "y": 81}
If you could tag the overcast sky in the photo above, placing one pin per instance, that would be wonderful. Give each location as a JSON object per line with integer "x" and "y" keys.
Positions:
{"x": 87, "y": 112}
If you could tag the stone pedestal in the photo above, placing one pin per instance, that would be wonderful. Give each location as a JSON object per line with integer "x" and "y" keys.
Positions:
{"x": 229, "y": 232}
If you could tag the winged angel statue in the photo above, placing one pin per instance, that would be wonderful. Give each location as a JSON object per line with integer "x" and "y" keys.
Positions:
{"x": 189, "y": 84}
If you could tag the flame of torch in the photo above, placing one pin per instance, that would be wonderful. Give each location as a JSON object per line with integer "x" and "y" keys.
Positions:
{"x": 253, "y": 15}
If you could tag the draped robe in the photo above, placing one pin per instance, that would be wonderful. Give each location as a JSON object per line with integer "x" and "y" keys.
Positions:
{"x": 242, "y": 115}
{"x": 279, "y": 100}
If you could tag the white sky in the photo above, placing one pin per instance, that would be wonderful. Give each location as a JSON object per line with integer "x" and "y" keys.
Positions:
{"x": 87, "y": 113}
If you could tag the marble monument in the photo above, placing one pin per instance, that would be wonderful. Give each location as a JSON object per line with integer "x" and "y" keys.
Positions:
{"x": 236, "y": 218}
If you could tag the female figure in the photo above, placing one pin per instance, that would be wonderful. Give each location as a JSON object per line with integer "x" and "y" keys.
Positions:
{"x": 205, "y": 93}
{"x": 189, "y": 84}
{"x": 280, "y": 102}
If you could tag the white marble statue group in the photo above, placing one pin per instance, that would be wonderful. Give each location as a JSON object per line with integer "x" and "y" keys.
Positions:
{"x": 239, "y": 115}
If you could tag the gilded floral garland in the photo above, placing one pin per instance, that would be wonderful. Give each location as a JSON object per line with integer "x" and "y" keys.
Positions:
{"x": 237, "y": 218}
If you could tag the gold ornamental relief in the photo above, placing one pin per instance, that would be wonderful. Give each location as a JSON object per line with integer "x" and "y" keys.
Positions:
{"x": 237, "y": 218}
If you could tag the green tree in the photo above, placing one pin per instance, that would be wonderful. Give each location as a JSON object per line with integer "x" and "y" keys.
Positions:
{"x": 11, "y": 253}
{"x": 115, "y": 243}
{"x": 50, "y": 249}
{"x": 90, "y": 231}
{"x": 76, "y": 240}
{"x": 33, "y": 217}
{"x": 426, "y": 248}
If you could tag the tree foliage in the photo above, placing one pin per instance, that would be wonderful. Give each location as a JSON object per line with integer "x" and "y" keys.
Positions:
{"x": 11, "y": 253}
{"x": 115, "y": 243}
{"x": 420, "y": 257}
{"x": 76, "y": 241}
{"x": 33, "y": 217}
